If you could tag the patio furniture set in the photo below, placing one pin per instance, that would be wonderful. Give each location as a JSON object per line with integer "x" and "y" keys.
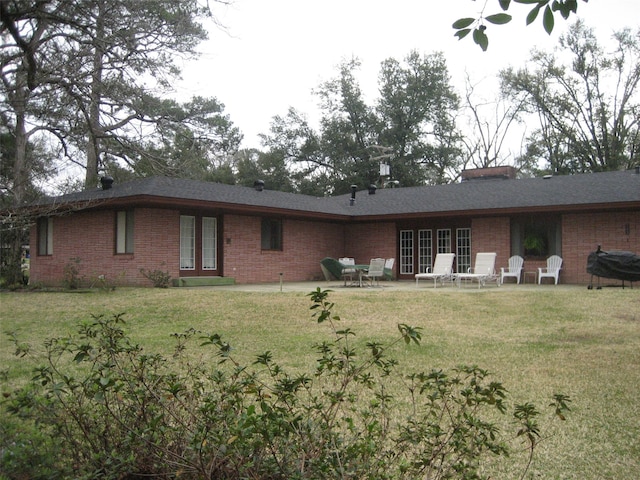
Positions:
{"x": 357, "y": 275}
{"x": 484, "y": 270}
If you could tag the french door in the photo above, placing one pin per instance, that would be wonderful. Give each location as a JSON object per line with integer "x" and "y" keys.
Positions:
{"x": 198, "y": 245}
{"x": 419, "y": 247}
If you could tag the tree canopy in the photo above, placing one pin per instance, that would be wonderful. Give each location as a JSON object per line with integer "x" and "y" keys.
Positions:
{"x": 409, "y": 127}
{"x": 586, "y": 99}
{"x": 93, "y": 78}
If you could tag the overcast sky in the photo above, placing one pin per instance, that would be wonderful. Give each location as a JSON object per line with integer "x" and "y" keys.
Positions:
{"x": 275, "y": 52}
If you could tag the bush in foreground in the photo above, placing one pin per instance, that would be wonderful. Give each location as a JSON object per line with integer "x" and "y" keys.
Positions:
{"x": 125, "y": 413}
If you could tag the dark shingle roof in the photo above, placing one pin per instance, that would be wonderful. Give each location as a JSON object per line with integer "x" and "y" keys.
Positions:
{"x": 570, "y": 191}
{"x": 199, "y": 192}
{"x": 566, "y": 192}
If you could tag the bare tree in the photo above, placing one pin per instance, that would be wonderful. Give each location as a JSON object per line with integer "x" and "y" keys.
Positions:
{"x": 490, "y": 127}
{"x": 588, "y": 104}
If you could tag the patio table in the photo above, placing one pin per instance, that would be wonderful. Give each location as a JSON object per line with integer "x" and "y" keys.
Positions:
{"x": 361, "y": 269}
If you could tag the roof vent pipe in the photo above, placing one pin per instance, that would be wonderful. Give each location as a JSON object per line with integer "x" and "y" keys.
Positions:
{"x": 372, "y": 189}
{"x": 353, "y": 194}
{"x": 258, "y": 185}
{"x": 106, "y": 182}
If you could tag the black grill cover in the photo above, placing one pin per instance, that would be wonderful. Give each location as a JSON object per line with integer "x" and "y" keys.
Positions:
{"x": 614, "y": 264}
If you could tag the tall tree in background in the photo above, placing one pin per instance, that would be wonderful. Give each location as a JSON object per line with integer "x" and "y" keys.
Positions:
{"x": 348, "y": 128}
{"x": 118, "y": 55}
{"x": 190, "y": 140}
{"x": 252, "y": 164}
{"x": 588, "y": 105}
{"x": 25, "y": 27}
{"x": 409, "y": 126}
{"x": 93, "y": 73}
{"x": 489, "y": 128}
{"x": 293, "y": 140}
{"x": 84, "y": 77}
{"x": 416, "y": 111}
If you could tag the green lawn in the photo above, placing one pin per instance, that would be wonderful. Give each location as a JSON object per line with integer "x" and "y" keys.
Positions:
{"x": 584, "y": 343}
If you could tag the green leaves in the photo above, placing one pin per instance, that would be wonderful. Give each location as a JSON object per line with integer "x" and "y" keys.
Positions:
{"x": 498, "y": 18}
{"x": 548, "y": 20}
{"x": 410, "y": 334}
{"x": 480, "y": 38}
{"x": 464, "y": 25}
{"x": 129, "y": 411}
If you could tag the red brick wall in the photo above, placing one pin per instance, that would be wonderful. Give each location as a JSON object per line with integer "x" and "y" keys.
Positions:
{"x": 491, "y": 235}
{"x": 90, "y": 237}
{"x": 305, "y": 243}
{"x": 582, "y": 233}
{"x": 371, "y": 240}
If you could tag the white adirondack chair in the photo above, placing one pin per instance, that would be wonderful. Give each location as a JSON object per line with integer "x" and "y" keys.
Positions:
{"x": 514, "y": 270}
{"x": 554, "y": 264}
{"x": 442, "y": 269}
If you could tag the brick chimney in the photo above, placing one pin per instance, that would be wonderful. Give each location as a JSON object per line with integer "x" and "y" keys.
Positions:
{"x": 489, "y": 173}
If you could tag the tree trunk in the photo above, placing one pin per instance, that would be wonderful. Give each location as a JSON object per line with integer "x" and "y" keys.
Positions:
{"x": 94, "y": 125}
{"x": 20, "y": 96}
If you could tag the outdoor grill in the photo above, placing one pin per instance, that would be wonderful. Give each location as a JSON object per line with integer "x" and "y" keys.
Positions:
{"x": 616, "y": 264}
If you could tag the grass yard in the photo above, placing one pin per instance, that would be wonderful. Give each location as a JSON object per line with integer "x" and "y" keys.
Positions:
{"x": 536, "y": 341}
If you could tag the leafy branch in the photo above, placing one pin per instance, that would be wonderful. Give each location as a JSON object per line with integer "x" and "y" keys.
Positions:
{"x": 467, "y": 25}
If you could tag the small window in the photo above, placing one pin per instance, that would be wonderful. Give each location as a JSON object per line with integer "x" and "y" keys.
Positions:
{"x": 271, "y": 234}
{"x": 124, "y": 232}
{"x": 45, "y": 236}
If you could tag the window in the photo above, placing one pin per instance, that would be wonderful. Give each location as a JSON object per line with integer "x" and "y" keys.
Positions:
{"x": 425, "y": 258}
{"x": 187, "y": 242}
{"x": 45, "y": 236}
{"x": 463, "y": 250}
{"x": 406, "y": 252}
{"x": 271, "y": 234}
{"x": 539, "y": 236}
{"x": 124, "y": 232}
{"x": 209, "y": 242}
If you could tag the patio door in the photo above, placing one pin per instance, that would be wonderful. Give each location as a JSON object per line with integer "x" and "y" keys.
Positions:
{"x": 198, "y": 245}
{"x": 419, "y": 247}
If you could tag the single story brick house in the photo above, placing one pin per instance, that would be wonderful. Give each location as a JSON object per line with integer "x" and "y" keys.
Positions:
{"x": 202, "y": 229}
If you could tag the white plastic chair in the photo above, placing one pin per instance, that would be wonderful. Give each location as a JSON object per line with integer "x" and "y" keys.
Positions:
{"x": 347, "y": 273}
{"x": 514, "y": 270}
{"x": 375, "y": 271}
{"x": 554, "y": 264}
{"x": 388, "y": 268}
{"x": 442, "y": 269}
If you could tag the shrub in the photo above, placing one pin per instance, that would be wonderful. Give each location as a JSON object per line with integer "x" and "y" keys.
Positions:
{"x": 159, "y": 278}
{"x": 125, "y": 413}
{"x": 71, "y": 274}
